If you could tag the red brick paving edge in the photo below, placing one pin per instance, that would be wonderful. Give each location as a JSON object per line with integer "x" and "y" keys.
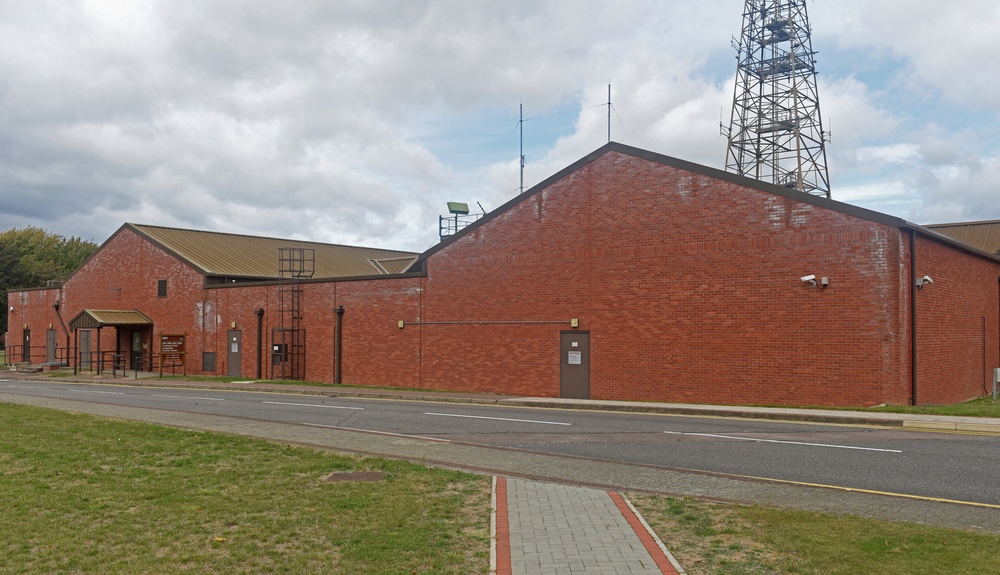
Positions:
{"x": 641, "y": 528}
{"x": 502, "y": 528}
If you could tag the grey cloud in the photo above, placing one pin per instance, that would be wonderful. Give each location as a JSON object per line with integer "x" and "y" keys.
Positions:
{"x": 304, "y": 119}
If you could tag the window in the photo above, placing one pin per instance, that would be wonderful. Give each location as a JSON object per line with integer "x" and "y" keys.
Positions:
{"x": 161, "y": 288}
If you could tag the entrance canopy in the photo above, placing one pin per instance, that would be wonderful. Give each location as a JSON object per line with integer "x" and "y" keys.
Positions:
{"x": 96, "y": 319}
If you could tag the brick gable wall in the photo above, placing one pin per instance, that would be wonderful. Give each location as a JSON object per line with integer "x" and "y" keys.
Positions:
{"x": 690, "y": 289}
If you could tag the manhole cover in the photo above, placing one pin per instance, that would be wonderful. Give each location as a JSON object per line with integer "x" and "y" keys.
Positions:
{"x": 369, "y": 476}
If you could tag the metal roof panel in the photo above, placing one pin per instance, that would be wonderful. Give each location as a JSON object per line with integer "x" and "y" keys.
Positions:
{"x": 233, "y": 255}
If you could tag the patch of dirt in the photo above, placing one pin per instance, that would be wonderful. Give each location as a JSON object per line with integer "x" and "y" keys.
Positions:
{"x": 360, "y": 476}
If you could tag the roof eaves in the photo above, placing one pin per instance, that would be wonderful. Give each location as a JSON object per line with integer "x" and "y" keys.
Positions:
{"x": 274, "y": 281}
{"x": 930, "y": 233}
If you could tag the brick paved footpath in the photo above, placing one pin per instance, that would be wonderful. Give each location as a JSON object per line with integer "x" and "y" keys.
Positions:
{"x": 551, "y": 529}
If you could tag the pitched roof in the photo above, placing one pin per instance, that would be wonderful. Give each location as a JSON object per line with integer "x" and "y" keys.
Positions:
{"x": 980, "y": 235}
{"x": 791, "y": 193}
{"x": 93, "y": 318}
{"x": 251, "y": 257}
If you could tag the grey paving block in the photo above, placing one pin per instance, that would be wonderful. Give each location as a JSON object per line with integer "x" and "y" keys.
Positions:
{"x": 562, "y": 529}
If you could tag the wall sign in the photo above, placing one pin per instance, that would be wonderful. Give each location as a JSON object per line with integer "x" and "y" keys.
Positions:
{"x": 172, "y": 352}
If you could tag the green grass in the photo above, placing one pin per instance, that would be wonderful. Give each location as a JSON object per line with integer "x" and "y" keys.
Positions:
{"x": 982, "y": 407}
{"x": 79, "y": 494}
{"x": 716, "y": 539}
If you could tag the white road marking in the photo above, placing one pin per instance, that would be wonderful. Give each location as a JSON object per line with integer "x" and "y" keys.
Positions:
{"x": 499, "y": 419}
{"x": 96, "y": 392}
{"x": 312, "y": 405}
{"x": 830, "y": 445}
{"x": 420, "y": 437}
{"x": 189, "y": 397}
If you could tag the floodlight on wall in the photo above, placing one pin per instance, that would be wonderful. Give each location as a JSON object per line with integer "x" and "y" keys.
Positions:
{"x": 458, "y": 208}
{"x": 926, "y": 280}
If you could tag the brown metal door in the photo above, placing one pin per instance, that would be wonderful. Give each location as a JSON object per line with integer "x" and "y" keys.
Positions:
{"x": 50, "y": 346}
{"x": 574, "y": 372}
{"x": 235, "y": 353}
{"x": 85, "y": 349}
{"x": 26, "y": 347}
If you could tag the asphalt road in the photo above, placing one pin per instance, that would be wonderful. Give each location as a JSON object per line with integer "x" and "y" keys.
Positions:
{"x": 956, "y": 467}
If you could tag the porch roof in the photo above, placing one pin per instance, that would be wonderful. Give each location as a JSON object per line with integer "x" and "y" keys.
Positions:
{"x": 96, "y": 319}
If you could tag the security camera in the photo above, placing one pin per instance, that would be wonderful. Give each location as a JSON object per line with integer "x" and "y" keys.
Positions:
{"x": 928, "y": 280}
{"x": 808, "y": 278}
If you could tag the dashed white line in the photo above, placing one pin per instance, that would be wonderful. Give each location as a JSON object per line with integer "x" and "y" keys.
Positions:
{"x": 96, "y": 392}
{"x": 312, "y": 405}
{"x": 404, "y": 436}
{"x": 755, "y": 440}
{"x": 189, "y": 397}
{"x": 499, "y": 419}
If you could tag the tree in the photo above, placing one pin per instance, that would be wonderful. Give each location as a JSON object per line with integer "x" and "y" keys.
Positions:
{"x": 30, "y": 256}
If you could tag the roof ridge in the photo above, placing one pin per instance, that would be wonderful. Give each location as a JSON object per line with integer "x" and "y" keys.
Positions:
{"x": 270, "y": 238}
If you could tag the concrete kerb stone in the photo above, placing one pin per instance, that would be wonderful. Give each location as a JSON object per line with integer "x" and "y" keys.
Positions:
{"x": 876, "y": 419}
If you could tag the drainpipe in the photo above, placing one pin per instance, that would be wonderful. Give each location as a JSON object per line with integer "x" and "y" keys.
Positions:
{"x": 66, "y": 331}
{"x": 260, "y": 340}
{"x": 337, "y": 379}
{"x": 913, "y": 316}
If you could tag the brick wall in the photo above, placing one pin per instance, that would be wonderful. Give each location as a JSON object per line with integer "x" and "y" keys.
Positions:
{"x": 372, "y": 353}
{"x": 688, "y": 285}
{"x": 958, "y": 336}
{"x": 122, "y": 275}
{"x": 690, "y": 289}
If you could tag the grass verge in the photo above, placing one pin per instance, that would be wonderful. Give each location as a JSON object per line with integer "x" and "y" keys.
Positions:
{"x": 716, "y": 539}
{"x": 79, "y": 494}
{"x": 982, "y": 407}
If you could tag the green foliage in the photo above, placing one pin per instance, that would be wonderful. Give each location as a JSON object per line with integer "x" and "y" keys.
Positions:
{"x": 30, "y": 256}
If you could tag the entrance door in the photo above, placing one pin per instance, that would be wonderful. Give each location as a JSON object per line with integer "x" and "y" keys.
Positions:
{"x": 136, "y": 354}
{"x": 85, "y": 349}
{"x": 26, "y": 347}
{"x": 574, "y": 372}
{"x": 50, "y": 346}
{"x": 235, "y": 353}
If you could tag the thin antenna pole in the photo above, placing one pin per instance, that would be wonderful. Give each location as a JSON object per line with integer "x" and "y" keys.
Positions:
{"x": 521, "y": 122}
{"x": 609, "y": 113}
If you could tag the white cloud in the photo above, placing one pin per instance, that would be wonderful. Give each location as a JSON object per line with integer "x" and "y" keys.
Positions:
{"x": 354, "y": 121}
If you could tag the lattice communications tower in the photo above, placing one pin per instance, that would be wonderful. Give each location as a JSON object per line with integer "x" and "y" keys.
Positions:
{"x": 776, "y": 133}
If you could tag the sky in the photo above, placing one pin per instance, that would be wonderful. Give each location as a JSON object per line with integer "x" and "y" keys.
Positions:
{"x": 356, "y": 121}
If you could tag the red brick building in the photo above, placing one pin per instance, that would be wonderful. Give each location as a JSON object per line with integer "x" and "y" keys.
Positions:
{"x": 628, "y": 275}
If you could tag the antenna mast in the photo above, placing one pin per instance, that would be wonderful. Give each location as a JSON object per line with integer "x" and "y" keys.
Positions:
{"x": 609, "y": 113}
{"x": 776, "y": 132}
{"x": 521, "y": 123}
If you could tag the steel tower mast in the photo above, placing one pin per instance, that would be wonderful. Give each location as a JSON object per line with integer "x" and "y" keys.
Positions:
{"x": 776, "y": 133}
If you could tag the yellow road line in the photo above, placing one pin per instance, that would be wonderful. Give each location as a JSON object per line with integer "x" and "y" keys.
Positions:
{"x": 871, "y": 492}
